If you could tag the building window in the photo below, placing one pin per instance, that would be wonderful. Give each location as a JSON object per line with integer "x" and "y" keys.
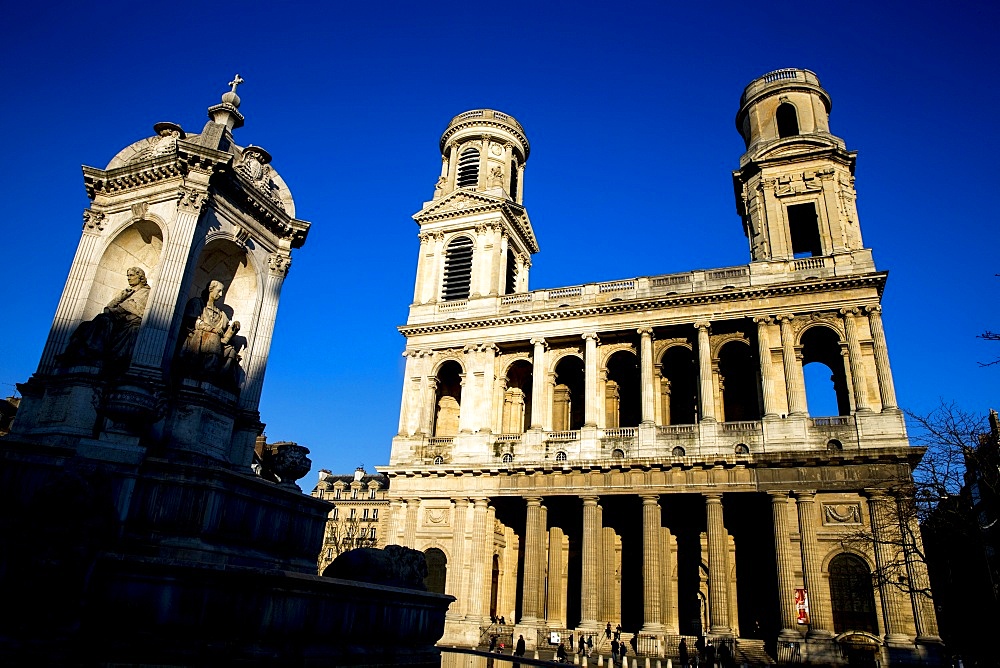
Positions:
{"x": 560, "y": 456}
{"x": 354, "y": 493}
{"x": 336, "y": 493}
{"x": 510, "y": 285}
{"x": 371, "y": 533}
{"x": 364, "y": 514}
{"x": 458, "y": 269}
{"x": 677, "y": 451}
{"x": 513, "y": 180}
{"x": 803, "y": 226}
{"x": 617, "y": 453}
{"x": 335, "y": 514}
{"x": 329, "y": 553}
{"x": 374, "y": 514}
{"x": 742, "y": 449}
{"x": 354, "y": 512}
{"x": 468, "y": 168}
{"x": 833, "y": 445}
{"x": 371, "y": 493}
{"x": 852, "y": 595}
{"x": 507, "y": 458}
{"x": 788, "y": 120}
{"x": 439, "y": 460}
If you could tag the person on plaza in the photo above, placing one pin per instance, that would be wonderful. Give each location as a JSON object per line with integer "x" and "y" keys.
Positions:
{"x": 618, "y": 632}
{"x": 709, "y": 653}
{"x": 607, "y": 631}
{"x": 682, "y": 650}
{"x": 582, "y": 645}
{"x": 571, "y": 642}
{"x": 623, "y": 652}
{"x": 614, "y": 651}
{"x": 493, "y": 643}
{"x": 561, "y": 653}
{"x": 699, "y": 645}
{"x": 503, "y": 622}
{"x": 519, "y": 647}
{"x": 590, "y": 645}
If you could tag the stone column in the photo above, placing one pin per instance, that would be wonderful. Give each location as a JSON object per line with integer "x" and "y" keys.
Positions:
{"x": 534, "y": 548}
{"x": 557, "y": 586}
{"x": 668, "y": 611}
{"x": 924, "y": 614}
{"x": 592, "y": 402}
{"x": 478, "y": 598}
{"x": 858, "y": 375}
{"x": 820, "y": 622}
{"x": 255, "y": 361}
{"x": 457, "y": 566}
{"x": 766, "y": 370}
{"x": 538, "y": 374}
{"x": 504, "y": 241}
{"x": 432, "y": 288}
{"x": 646, "y": 373}
{"x": 609, "y": 589}
{"x": 886, "y": 387}
{"x": 69, "y": 312}
{"x": 652, "y": 619}
{"x": 393, "y": 523}
{"x": 786, "y": 566}
{"x": 165, "y": 296}
{"x": 886, "y": 535}
{"x": 718, "y": 566}
{"x": 706, "y": 390}
{"x": 422, "y": 262}
{"x": 484, "y": 163}
{"x": 410, "y": 530}
{"x": 591, "y": 539}
{"x": 794, "y": 380}
{"x": 430, "y": 404}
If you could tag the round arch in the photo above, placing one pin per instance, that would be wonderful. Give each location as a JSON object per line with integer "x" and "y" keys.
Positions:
{"x": 739, "y": 374}
{"x": 437, "y": 570}
{"x": 137, "y": 244}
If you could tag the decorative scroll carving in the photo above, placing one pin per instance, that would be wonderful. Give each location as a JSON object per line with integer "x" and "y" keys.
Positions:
{"x": 438, "y": 516}
{"x": 256, "y": 168}
{"x": 191, "y": 199}
{"x": 140, "y": 209}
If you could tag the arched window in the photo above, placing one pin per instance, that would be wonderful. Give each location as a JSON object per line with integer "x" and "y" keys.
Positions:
{"x": 678, "y": 451}
{"x": 787, "y": 119}
{"x": 617, "y": 453}
{"x": 741, "y": 394}
{"x": 513, "y": 180}
{"x": 679, "y": 386}
{"x": 439, "y": 460}
{"x": 824, "y": 372}
{"x": 507, "y": 458}
{"x": 437, "y": 570}
{"x": 560, "y": 456}
{"x": 468, "y": 168}
{"x": 833, "y": 445}
{"x": 517, "y": 398}
{"x": 568, "y": 395}
{"x": 622, "y": 396}
{"x": 449, "y": 399}
{"x": 741, "y": 449}
{"x": 458, "y": 269}
{"x": 852, "y": 595}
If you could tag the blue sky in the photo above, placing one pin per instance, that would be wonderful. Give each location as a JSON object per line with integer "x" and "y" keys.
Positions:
{"x": 629, "y": 108}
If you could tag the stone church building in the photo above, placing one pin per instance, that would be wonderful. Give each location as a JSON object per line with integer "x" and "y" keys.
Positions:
{"x": 641, "y": 451}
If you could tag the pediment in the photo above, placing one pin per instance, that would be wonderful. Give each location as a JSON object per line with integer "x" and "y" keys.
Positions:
{"x": 457, "y": 203}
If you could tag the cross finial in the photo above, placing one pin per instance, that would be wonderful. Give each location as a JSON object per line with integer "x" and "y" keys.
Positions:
{"x": 237, "y": 80}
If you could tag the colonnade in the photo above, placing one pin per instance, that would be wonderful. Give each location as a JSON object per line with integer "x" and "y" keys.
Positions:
{"x": 800, "y": 559}
{"x": 482, "y": 400}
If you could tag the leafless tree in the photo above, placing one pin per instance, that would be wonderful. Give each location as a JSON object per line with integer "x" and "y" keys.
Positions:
{"x": 343, "y": 534}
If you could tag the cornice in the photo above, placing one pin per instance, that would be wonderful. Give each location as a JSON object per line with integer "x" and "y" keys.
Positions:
{"x": 515, "y": 214}
{"x": 876, "y": 280}
{"x": 248, "y": 198}
{"x": 183, "y": 158}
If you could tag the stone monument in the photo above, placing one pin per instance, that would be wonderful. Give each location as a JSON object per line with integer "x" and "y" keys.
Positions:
{"x": 144, "y": 533}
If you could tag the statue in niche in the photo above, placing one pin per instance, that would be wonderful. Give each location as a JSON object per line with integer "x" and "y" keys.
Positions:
{"x": 208, "y": 351}
{"x": 110, "y": 336}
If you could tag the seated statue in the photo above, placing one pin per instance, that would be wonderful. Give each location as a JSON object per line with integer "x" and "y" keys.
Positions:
{"x": 206, "y": 351}
{"x": 110, "y": 336}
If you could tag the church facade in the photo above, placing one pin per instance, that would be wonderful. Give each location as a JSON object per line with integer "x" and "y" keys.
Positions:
{"x": 641, "y": 451}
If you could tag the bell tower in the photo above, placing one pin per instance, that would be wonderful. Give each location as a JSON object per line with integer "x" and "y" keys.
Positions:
{"x": 795, "y": 185}
{"x": 475, "y": 235}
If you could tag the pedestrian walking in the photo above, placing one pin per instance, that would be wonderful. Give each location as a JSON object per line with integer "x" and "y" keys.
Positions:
{"x": 614, "y": 651}
{"x": 519, "y": 647}
{"x": 682, "y": 650}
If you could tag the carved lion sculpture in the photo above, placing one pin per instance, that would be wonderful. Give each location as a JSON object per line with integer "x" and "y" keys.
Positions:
{"x": 394, "y": 566}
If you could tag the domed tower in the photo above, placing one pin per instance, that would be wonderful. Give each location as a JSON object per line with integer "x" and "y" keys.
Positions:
{"x": 475, "y": 235}
{"x": 795, "y": 185}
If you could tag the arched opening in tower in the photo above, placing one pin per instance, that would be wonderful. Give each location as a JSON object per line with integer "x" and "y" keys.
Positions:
{"x": 823, "y": 367}
{"x": 679, "y": 386}
{"x": 739, "y": 379}
{"x": 457, "y": 269}
{"x": 787, "y": 119}
{"x": 568, "y": 397}
{"x": 622, "y": 396}
{"x": 449, "y": 399}
{"x": 517, "y": 398}
{"x": 468, "y": 168}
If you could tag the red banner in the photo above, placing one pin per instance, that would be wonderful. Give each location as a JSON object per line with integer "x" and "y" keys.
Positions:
{"x": 801, "y": 606}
